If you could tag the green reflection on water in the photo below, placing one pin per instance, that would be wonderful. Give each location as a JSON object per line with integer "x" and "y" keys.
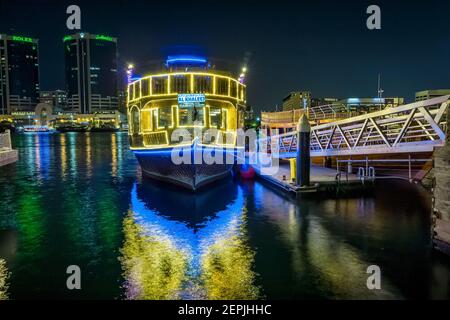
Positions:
{"x": 30, "y": 220}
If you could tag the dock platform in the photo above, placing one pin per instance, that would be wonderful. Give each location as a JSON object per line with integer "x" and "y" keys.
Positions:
{"x": 322, "y": 179}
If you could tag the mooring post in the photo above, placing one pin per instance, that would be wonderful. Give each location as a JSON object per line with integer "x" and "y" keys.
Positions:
{"x": 303, "y": 152}
{"x": 409, "y": 169}
{"x": 349, "y": 166}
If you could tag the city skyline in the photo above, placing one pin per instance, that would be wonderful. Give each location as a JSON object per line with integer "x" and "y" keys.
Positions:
{"x": 304, "y": 47}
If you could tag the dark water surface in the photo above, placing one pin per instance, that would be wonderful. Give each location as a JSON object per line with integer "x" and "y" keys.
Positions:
{"x": 79, "y": 199}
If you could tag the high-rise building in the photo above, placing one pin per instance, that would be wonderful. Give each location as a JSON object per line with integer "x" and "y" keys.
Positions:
{"x": 56, "y": 98}
{"x": 91, "y": 73}
{"x": 19, "y": 74}
{"x": 297, "y": 100}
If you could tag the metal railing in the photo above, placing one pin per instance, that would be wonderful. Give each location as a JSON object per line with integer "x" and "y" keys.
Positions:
{"x": 366, "y": 167}
{"x": 411, "y": 128}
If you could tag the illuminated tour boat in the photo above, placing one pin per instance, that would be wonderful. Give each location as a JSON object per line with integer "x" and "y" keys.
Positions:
{"x": 191, "y": 110}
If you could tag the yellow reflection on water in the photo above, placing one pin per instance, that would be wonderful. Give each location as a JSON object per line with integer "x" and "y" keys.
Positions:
{"x": 153, "y": 266}
{"x": 168, "y": 259}
{"x": 88, "y": 156}
{"x": 114, "y": 155}
{"x": 227, "y": 269}
{"x": 62, "y": 138}
{"x": 4, "y": 275}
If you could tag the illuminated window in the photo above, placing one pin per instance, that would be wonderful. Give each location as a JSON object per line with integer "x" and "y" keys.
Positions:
{"x": 202, "y": 84}
{"x": 233, "y": 89}
{"x": 222, "y": 86}
{"x": 164, "y": 117}
{"x": 179, "y": 84}
{"x": 215, "y": 116}
{"x": 159, "y": 85}
{"x": 188, "y": 116}
{"x": 134, "y": 120}
{"x": 137, "y": 86}
{"x": 145, "y": 87}
{"x": 147, "y": 119}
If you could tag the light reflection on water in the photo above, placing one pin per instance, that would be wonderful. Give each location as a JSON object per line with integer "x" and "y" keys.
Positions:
{"x": 204, "y": 257}
{"x": 79, "y": 198}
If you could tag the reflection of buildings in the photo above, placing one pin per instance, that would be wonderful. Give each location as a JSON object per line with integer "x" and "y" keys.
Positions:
{"x": 91, "y": 73}
{"x": 180, "y": 245}
{"x": 19, "y": 74}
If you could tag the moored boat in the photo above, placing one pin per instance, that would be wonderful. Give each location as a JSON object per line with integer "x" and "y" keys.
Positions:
{"x": 37, "y": 129}
{"x": 182, "y": 118}
{"x": 72, "y": 127}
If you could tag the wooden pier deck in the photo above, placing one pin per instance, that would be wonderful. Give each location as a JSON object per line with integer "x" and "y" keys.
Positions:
{"x": 322, "y": 179}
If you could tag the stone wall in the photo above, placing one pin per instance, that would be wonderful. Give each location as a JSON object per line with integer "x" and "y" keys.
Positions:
{"x": 7, "y": 155}
{"x": 441, "y": 199}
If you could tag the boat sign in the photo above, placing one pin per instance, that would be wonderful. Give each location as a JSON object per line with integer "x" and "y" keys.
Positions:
{"x": 191, "y": 98}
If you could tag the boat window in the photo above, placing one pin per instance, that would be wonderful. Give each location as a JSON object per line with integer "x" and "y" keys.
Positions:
{"x": 202, "y": 84}
{"x": 159, "y": 85}
{"x": 136, "y": 86}
{"x": 147, "y": 119}
{"x": 130, "y": 92}
{"x": 134, "y": 120}
{"x": 165, "y": 117}
{"x": 233, "y": 89}
{"x": 179, "y": 84}
{"x": 215, "y": 115}
{"x": 222, "y": 86}
{"x": 242, "y": 95}
{"x": 188, "y": 116}
{"x": 145, "y": 87}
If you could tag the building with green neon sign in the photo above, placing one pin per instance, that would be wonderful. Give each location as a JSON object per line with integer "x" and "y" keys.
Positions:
{"x": 103, "y": 37}
{"x": 22, "y": 39}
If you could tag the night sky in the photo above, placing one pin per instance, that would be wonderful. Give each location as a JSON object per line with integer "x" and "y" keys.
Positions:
{"x": 321, "y": 46}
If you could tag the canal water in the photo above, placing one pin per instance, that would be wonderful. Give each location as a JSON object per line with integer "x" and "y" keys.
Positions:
{"x": 79, "y": 199}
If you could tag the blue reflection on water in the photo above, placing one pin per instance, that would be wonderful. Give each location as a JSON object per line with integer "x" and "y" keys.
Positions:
{"x": 192, "y": 222}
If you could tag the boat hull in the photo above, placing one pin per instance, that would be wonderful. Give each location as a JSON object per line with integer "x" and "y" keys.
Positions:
{"x": 197, "y": 173}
